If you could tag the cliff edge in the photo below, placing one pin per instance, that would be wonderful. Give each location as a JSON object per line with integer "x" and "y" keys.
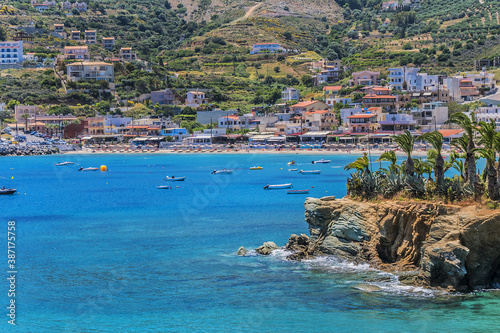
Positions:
{"x": 452, "y": 247}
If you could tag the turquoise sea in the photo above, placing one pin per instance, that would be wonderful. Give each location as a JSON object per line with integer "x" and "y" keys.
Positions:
{"x": 108, "y": 252}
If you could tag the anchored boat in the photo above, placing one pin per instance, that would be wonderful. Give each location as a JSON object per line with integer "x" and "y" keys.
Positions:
{"x": 297, "y": 191}
{"x": 174, "y": 179}
{"x": 64, "y": 163}
{"x": 8, "y": 191}
{"x": 321, "y": 161}
{"x": 222, "y": 172}
{"x": 88, "y": 169}
{"x": 310, "y": 172}
{"x": 278, "y": 186}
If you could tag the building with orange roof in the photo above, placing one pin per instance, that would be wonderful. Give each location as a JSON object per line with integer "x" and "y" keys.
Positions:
{"x": 126, "y": 54}
{"x": 365, "y": 78}
{"x": 321, "y": 119}
{"x": 388, "y": 102}
{"x": 76, "y": 52}
{"x": 308, "y": 106}
{"x": 362, "y": 123}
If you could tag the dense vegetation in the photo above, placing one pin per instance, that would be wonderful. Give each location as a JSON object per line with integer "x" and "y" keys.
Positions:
{"x": 425, "y": 179}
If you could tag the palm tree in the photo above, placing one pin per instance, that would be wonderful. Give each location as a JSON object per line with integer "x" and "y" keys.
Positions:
{"x": 361, "y": 164}
{"x": 489, "y": 139}
{"x": 459, "y": 165}
{"x": 25, "y": 116}
{"x": 389, "y": 156}
{"x": 489, "y": 155}
{"x": 436, "y": 140}
{"x": 406, "y": 142}
{"x": 469, "y": 126}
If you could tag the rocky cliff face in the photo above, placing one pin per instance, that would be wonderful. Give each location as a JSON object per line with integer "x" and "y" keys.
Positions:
{"x": 453, "y": 247}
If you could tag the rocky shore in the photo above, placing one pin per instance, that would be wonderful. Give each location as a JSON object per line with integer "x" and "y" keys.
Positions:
{"x": 443, "y": 246}
{"x": 27, "y": 151}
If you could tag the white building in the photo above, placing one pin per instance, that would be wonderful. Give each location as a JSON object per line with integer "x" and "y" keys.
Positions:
{"x": 11, "y": 52}
{"x": 116, "y": 124}
{"x": 432, "y": 114}
{"x": 267, "y": 48}
{"x": 2, "y": 106}
{"x": 290, "y": 94}
{"x": 88, "y": 70}
{"x": 196, "y": 98}
{"x": 487, "y": 114}
{"x": 481, "y": 79}
{"x": 344, "y": 113}
{"x": 397, "y": 76}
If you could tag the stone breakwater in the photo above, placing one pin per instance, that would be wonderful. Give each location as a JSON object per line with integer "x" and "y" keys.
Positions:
{"x": 451, "y": 247}
{"x": 27, "y": 151}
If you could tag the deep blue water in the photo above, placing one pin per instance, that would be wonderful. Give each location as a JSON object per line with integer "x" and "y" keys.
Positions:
{"x": 108, "y": 252}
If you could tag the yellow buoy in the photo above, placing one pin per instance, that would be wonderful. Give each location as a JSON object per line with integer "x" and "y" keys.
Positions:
{"x": 12, "y": 177}
{"x": 104, "y": 168}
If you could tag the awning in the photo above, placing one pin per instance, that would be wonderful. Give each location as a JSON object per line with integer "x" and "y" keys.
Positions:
{"x": 427, "y": 94}
{"x": 277, "y": 139}
{"x": 140, "y": 139}
{"x": 86, "y": 138}
{"x": 416, "y": 94}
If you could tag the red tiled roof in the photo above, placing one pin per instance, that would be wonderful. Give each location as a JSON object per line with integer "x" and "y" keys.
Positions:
{"x": 448, "y": 133}
{"x": 380, "y": 96}
{"x": 302, "y": 104}
{"x": 317, "y": 112}
{"x": 375, "y": 108}
{"x": 362, "y": 116}
{"x": 332, "y": 88}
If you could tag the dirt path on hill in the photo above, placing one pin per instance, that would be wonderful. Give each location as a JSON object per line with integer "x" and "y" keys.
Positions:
{"x": 248, "y": 13}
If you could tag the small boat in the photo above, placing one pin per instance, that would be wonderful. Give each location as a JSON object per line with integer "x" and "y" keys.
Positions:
{"x": 88, "y": 169}
{"x": 277, "y": 187}
{"x": 321, "y": 161}
{"x": 8, "y": 191}
{"x": 297, "y": 191}
{"x": 256, "y": 168}
{"x": 64, "y": 163}
{"x": 291, "y": 163}
{"x": 163, "y": 187}
{"x": 310, "y": 172}
{"x": 222, "y": 172}
{"x": 292, "y": 169}
{"x": 174, "y": 179}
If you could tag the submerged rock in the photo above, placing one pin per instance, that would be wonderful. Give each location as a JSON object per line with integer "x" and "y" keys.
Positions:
{"x": 266, "y": 248}
{"x": 242, "y": 251}
{"x": 452, "y": 247}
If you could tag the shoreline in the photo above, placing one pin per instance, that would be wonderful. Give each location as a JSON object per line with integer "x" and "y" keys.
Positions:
{"x": 323, "y": 152}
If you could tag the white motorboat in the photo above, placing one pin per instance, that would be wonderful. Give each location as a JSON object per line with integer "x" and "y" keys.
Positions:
{"x": 88, "y": 169}
{"x": 64, "y": 163}
{"x": 278, "y": 186}
{"x": 321, "y": 161}
{"x": 222, "y": 172}
{"x": 164, "y": 187}
{"x": 174, "y": 179}
{"x": 292, "y": 169}
{"x": 310, "y": 172}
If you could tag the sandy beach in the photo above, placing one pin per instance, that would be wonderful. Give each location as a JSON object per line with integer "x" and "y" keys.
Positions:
{"x": 354, "y": 152}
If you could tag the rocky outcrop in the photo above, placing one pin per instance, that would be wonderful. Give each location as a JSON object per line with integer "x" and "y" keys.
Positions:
{"x": 452, "y": 247}
{"x": 266, "y": 248}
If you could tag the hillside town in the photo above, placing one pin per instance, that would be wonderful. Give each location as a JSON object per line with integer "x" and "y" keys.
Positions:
{"x": 341, "y": 106}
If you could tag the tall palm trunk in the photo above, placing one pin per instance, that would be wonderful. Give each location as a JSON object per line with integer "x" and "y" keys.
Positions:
{"x": 471, "y": 163}
{"x": 492, "y": 182}
{"x": 439, "y": 169}
{"x": 410, "y": 166}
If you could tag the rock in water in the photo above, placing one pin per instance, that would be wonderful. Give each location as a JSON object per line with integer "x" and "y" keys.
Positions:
{"x": 451, "y": 247}
{"x": 242, "y": 251}
{"x": 266, "y": 248}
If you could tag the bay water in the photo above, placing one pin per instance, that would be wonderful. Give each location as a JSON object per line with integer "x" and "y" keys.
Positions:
{"x": 109, "y": 252}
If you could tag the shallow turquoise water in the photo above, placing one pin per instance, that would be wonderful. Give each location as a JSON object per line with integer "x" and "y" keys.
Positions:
{"x": 108, "y": 252}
